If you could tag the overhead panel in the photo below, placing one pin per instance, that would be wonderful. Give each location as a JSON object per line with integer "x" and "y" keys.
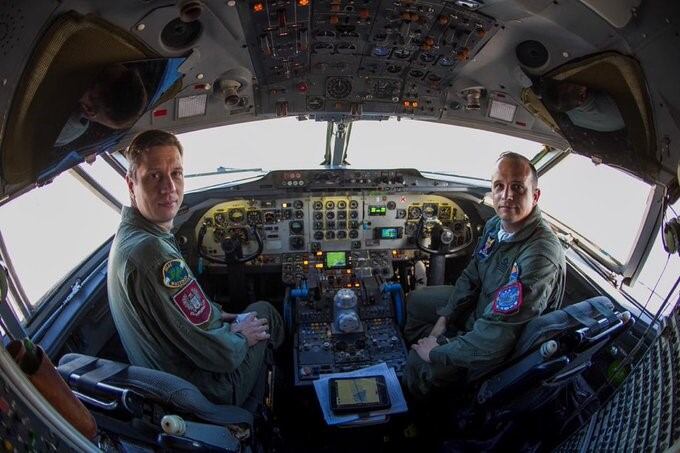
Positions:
{"x": 360, "y": 57}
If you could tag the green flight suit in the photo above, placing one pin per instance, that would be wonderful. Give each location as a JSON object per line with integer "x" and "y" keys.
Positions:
{"x": 483, "y": 327}
{"x": 166, "y": 322}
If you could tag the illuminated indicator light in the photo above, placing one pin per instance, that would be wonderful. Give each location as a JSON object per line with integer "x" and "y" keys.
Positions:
{"x": 160, "y": 112}
{"x": 394, "y": 252}
{"x": 349, "y": 271}
{"x": 414, "y": 104}
{"x": 349, "y": 285}
{"x": 407, "y": 104}
{"x": 356, "y": 285}
{"x": 302, "y": 87}
{"x": 305, "y": 262}
{"x": 303, "y": 2}
{"x": 319, "y": 253}
{"x": 319, "y": 265}
{"x": 258, "y": 7}
{"x": 284, "y": 205}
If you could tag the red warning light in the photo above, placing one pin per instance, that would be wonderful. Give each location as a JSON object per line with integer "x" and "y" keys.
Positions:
{"x": 303, "y": 2}
{"x": 258, "y": 7}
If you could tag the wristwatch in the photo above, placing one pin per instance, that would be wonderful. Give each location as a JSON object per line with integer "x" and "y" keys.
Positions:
{"x": 441, "y": 339}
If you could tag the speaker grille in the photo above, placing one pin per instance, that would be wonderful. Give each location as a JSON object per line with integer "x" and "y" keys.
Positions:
{"x": 11, "y": 25}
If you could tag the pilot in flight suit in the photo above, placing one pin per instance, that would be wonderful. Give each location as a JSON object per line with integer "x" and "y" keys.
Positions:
{"x": 510, "y": 280}
{"x": 164, "y": 319}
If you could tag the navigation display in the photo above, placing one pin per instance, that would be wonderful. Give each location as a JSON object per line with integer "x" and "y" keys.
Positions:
{"x": 336, "y": 260}
{"x": 389, "y": 233}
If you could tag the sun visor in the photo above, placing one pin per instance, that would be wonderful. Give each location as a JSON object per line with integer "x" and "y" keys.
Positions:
{"x": 600, "y": 104}
{"x": 63, "y": 110}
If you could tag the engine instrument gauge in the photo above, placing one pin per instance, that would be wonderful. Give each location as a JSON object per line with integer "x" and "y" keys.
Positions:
{"x": 236, "y": 215}
{"x": 414, "y": 212}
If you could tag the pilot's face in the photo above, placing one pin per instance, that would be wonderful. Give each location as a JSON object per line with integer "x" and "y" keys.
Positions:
{"x": 157, "y": 187}
{"x": 514, "y": 195}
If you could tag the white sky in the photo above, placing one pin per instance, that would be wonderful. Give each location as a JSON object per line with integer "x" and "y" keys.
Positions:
{"x": 51, "y": 229}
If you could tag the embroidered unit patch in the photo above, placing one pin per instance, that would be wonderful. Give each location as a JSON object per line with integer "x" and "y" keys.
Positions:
{"x": 508, "y": 299}
{"x": 485, "y": 251}
{"x": 175, "y": 274}
{"x": 193, "y": 303}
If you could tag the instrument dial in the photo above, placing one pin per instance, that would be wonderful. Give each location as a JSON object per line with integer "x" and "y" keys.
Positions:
{"x": 317, "y": 205}
{"x": 298, "y": 204}
{"x": 254, "y": 217}
{"x": 342, "y": 204}
{"x": 414, "y": 212}
{"x": 269, "y": 217}
{"x": 296, "y": 227}
{"x": 353, "y": 204}
{"x": 429, "y": 210}
{"x": 220, "y": 219}
{"x": 330, "y": 205}
{"x": 236, "y": 215}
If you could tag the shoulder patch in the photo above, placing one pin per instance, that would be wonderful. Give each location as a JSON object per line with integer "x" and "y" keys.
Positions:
{"x": 193, "y": 303}
{"x": 175, "y": 274}
{"x": 508, "y": 299}
{"x": 485, "y": 251}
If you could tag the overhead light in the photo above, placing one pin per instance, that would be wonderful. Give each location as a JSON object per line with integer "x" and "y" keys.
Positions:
{"x": 191, "y": 106}
{"x": 502, "y": 110}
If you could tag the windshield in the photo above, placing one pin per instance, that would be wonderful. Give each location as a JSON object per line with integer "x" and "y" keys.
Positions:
{"x": 288, "y": 143}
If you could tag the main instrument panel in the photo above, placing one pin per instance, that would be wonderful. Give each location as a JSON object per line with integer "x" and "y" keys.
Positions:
{"x": 296, "y": 227}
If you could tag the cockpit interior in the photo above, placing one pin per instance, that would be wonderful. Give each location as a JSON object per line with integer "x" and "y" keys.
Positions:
{"x": 339, "y": 249}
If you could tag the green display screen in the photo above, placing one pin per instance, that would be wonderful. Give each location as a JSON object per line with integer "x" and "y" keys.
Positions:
{"x": 377, "y": 210}
{"x": 336, "y": 260}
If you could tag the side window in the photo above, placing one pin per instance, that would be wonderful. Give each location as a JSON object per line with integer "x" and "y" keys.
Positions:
{"x": 50, "y": 230}
{"x": 601, "y": 203}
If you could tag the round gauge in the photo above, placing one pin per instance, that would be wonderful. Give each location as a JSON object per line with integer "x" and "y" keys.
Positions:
{"x": 318, "y": 215}
{"x": 446, "y": 61}
{"x": 269, "y": 217}
{"x": 393, "y": 68}
{"x": 298, "y": 204}
{"x": 296, "y": 227}
{"x": 429, "y": 211}
{"x": 354, "y": 214}
{"x": 254, "y": 217}
{"x": 401, "y": 53}
{"x": 416, "y": 74}
{"x": 427, "y": 57}
{"x": 330, "y": 205}
{"x": 342, "y": 215}
{"x": 338, "y": 87}
{"x": 219, "y": 218}
{"x": 315, "y": 103}
{"x": 353, "y": 224}
{"x": 444, "y": 212}
{"x": 381, "y": 51}
{"x": 236, "y": 215}
{"x": 401, "y": 213}
{"x": 354, "y": 234}
{"x": 318, "y": 225}
{"x": 299, "y": 214}
{"x": 317, "y": 205}
{"x": 330, "y": 225}
{"x": 391, "y": 205}
{"x": 342, "y": 234}
{"x": 287, "y": 214}
{"x": 342, "y": 225}
{"x": 458, "y": 227}
{"x": 330, "y": 235}
{"x": 318, "y": 235}
{"x": 353, "y": 204}
{"x": 414, "y": 212}
{"x": 342, "y": 204}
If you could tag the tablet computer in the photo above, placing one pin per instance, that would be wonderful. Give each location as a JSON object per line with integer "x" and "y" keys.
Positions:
{"x": 358, "y": 394}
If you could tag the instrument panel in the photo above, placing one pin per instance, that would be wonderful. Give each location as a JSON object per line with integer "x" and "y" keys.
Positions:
{"x": 303, "y": 223}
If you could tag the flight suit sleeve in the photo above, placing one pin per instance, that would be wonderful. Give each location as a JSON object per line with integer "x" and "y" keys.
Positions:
{"x": 495, "y": 334}
{"x": 210, "y": 345}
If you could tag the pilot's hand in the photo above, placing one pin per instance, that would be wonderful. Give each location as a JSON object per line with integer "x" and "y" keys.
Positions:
{"x": 253, "y": 328}
{"x": 439, "y": 327}
{"x": 424, "y": 346}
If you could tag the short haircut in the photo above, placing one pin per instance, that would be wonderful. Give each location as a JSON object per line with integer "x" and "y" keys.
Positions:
{"x": 519, "y": 158}
{"x": 120, "y": 94}
{"x": 143, "y": 142}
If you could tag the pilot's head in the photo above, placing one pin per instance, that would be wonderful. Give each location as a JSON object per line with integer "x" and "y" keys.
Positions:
{"x": 116, "y": 99}
{"x": 514, "y": 186}
{"x": 155, "y": 176}
{"x": 564, "y": 96}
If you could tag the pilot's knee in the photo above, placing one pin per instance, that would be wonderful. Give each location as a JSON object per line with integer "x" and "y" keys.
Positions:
{"x": 266, "y": 310}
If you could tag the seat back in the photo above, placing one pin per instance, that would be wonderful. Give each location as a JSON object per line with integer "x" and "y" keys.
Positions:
{"x": 122, "y": 392}
{"x": 554, "y": 349}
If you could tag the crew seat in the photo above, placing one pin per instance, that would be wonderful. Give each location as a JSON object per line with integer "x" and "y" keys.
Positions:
{"x": 130, "y": 402}
{"x": 550, "y": 357}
